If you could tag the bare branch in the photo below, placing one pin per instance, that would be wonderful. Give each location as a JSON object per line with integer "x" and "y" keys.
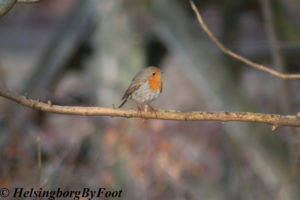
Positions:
{"x": 273, "y": 119}
{"x": 5, "y": 6}
{"x": 236, "y": 56}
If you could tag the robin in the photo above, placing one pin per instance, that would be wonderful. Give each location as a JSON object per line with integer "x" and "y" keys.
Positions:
{"x": 144, "y": 88}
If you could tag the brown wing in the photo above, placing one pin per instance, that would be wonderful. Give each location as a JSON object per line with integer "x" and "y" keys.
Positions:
{"x": 128, "y": 92}
{"x": 135, "y": 84}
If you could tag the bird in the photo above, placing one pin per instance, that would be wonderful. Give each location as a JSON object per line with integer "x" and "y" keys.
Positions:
{"x": 145, "y": 87}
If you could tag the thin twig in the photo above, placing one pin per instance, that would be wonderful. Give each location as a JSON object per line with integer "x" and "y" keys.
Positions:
{"x": 39, "y": 159}
{"x": 5, "y": 6}
{"x": 273, "y": 119}
{"x": 236, "y": 56}
{"x": 283, "y": 88}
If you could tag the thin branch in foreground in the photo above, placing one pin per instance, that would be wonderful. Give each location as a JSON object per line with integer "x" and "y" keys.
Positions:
{"x": 236, "y": 56}
{"x": 39, "y": 164}
{"x": 272, "y": 119}
{"x": 5, "y": 6}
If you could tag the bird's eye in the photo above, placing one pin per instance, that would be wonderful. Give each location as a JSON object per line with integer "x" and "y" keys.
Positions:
{"x": 153, "y": 73}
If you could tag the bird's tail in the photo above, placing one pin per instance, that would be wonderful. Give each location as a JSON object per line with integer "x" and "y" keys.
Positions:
{"x": 123, "y": 103}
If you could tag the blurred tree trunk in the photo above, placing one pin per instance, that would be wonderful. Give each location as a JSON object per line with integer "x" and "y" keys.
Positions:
{"x": 119, "y": 51}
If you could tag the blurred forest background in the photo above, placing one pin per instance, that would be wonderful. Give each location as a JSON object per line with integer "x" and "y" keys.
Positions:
{"x": 85, "y": 52}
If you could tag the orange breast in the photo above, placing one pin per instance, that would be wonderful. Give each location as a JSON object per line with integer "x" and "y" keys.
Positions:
{"x": 155, "y": 82}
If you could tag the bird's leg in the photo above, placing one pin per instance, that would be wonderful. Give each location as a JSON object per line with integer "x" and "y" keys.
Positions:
{"x": 139, "y": 109}
{"x": 152, "y": 109}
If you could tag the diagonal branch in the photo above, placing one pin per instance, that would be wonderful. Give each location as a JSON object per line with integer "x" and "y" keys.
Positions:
{"x": 236, "y": 56}
{"x": 5, "y": 6}
{"x": 272, "y": 119}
